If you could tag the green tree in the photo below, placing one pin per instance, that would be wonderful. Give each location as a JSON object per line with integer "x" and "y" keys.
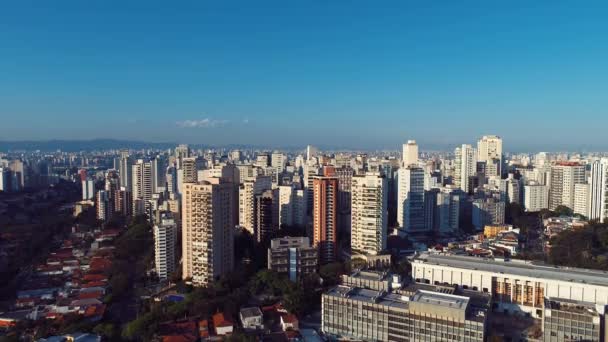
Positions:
{"x": 562, "y": 210}
{"x": 331, "y": 273}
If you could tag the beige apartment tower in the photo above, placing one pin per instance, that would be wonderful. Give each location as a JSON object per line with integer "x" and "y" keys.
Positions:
{"x": 207, "y": 230}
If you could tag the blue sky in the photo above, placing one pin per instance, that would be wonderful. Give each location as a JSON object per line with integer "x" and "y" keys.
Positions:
{"x": 361, "y": 74}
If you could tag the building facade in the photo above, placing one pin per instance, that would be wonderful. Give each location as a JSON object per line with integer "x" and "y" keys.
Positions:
{"x": 325, "y": 217}
{"x": 293, "y": 256}
{"x": 369, "y": 217}
{"x": 207, "y": 230}
{"x": 410, "y": 199}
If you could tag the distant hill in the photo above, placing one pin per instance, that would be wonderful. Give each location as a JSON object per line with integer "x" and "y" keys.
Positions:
{"x": 80, "y": 145}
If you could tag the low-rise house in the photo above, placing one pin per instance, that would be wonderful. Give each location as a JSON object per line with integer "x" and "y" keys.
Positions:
{"x": 289, "y": 322}
{"x": 251, "y": 318}
{"x": 222, "y": 325}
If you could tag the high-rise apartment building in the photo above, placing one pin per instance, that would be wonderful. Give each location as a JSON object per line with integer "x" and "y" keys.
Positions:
{"x": 311, "y": 152}
{"x": 158, "y": 174}
{"x": 5, "y": 179}
{"x": 581, "y": 199}
{"x": 142, "y": 184}
{"x": 564, "y": 176}
{"x": 465, "y": 166}
{"x": 125, "y": 165}
{"x": 409, "y": 154}
{"x": 536, "y": 197}
{"x": 278, "y": 160}
{"x": 247, "y": 193}
{"x": 447, "y": 211}
{"x": 102, "y": 205}
{"x": 190, "y": 167}
{"x": 369, "y": 216}
{"x": 88, "y": 189}
{"x": 488, "y": 211}
{"x": 266, "y": 215}
{"x": 598, "y": 190}
{"x": 325, "y": 214}
{"x": 181, "y": 152}
{"x": 165, "y": 239}
{"x": 410, "y": 199}
{"x": 286, "y": 194}
{"x": 207, "y": 230}
{"x": 123, "y": 201}
{"x": 489, "y": 150}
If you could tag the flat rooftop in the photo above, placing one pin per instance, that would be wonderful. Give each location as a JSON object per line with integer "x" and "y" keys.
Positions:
{"x": 369, "y": 296}
{"x": 371, "y": 275}
{"x": 441, "y": 299}
{"x": 524, "y": 269}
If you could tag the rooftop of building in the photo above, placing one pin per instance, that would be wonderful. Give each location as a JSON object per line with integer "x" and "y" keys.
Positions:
{"x": 516, "y": 267}
{"x": 569, "y": 305}
{"x": 250, "y": 312}
{"x": 371, "y": 275}
{"x": 440, "y": 299}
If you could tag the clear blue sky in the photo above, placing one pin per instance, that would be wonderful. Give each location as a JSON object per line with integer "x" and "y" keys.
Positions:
{"x": 287, "y": 73}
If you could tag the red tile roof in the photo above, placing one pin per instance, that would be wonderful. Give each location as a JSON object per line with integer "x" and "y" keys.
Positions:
{"x": 219, "y": 320}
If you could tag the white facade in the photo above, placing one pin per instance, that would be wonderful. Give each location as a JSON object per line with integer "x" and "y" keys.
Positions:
{"x": 207, "y": 230}
{"x": 410, "y": 199}
{"x": 465, "y": 166}
{"x": 564, "y": 176}
{"x": 278, "y": 160}
{"x": 581, "y": 199}
{"x": 142, "y": 180}
{"x": 247, "y": 192}
{"x": 299, "y": 207}
{"x": 285, "y": 204}
{"x": 489, "y": 148}
{"x": 598, "y": 191}
{"x": 88, "y": 190}
{"x": 410, "y": 153}
{"x": 4, "y": 179}
{"x": 165, "y": 238}
{"x": 536, "y": 197}
{"x": 369, "y": 213}
{"x": 524, "y": 284}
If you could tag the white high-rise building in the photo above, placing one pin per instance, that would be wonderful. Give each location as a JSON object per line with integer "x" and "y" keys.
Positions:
{"x": 564, "y": 176}
{"x": 465, "y": 165}
{"x": 311, "y": 152}
{"x": 88, "y": 189}
{"x": 5, "y": 176}
{"x": 369, "y": 213}
{"x": 125, "y": 169}
{"x": 181, "y": 152}
{"x": 489, "y": 149}
{"x": 598, "y": 190}
{"x": 278, "y": 160}
{"x": 142, "y": 182}
{"x": 286, "y": 195}
{"x": 581, "y": 199}
{"x": 299, "y": 207}
{"x": 536, "y": 197}
{"x": 207, "y": 230}
{"x": 165, "y": 239}
{"x": 410, "y": 199}
{"x": 247, "y": 193}
{"x": 410, "y": 153}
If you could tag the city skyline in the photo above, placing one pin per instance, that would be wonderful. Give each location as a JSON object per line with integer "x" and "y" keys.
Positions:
{"x": 358, "y": 76}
